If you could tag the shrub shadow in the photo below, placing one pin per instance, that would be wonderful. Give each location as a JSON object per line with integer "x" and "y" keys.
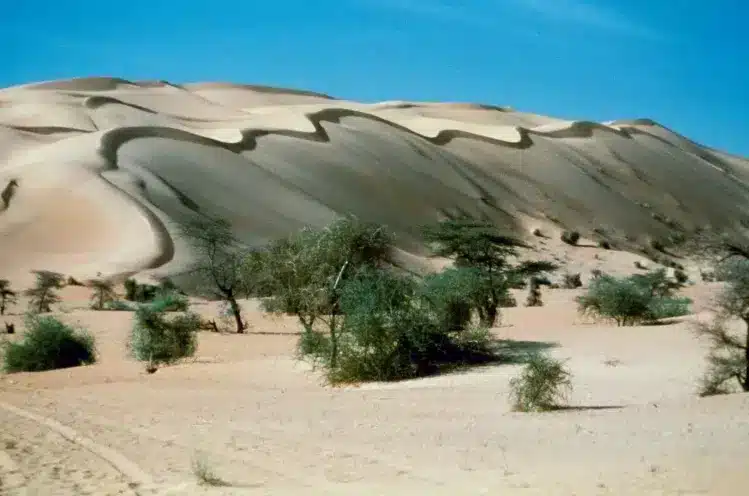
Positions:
{"x": 514, "y": 352}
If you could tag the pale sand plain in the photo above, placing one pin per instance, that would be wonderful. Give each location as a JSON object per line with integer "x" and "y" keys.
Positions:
{"x": 104, "y": 166}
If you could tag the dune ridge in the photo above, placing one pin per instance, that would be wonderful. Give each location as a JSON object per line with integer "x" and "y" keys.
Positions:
{"x": 271, "y": 160}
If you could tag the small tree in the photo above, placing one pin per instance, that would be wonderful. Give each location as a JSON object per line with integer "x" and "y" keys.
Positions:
{"x": 103, "y": 293}
{"x": 729, "y": 356}
{"x": 156, "y": 339}
{"x": 480, "y": 245}
{"x": 632, "y": 300}
{"x": 542, "y": 386}
{"x": 220, "y": 262}
{"x": 7, "y": 295}
{"x": 44, "y": 293}
{"x": 305, "y": 272}
{"x": 49, "y": 344}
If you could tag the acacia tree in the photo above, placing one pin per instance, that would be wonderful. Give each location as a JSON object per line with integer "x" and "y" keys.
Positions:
{"x": 481, "y": 246}
{"x": 103, "y": 293}
{"x": 44, "y": 292}
{"x": 220, "y": 262}
{"x": 7, "y": 295}
{"x": 304, "y": 273}
{"x": 729, "y": 356}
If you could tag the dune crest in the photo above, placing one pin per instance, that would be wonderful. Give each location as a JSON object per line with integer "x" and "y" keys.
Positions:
{"x": 128, "y": 158}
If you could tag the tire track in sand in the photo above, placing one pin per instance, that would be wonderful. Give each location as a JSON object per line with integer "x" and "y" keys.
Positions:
{"x": 13, "y": 478}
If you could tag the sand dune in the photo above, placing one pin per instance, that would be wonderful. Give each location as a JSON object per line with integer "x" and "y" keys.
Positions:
{"x": 270, "y": 160}
{"x": 106, "y": 166}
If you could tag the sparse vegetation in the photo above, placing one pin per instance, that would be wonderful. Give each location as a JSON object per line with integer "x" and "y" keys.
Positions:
{"x": 480, "y": 246}
{"x": 158, "y": 339}
{"x": 44, "y": 293}
{"x": 640, "y": 298}
{"x": 205, "y": 474}
{"x": 363, "y": 320}
{"x": 571, "y": 237}
{"x": 729, "y": 356}
{"x": 104, "y": 293}
{"x": 48, "y": 344}
{"x": 534, "y": 294}
{"x": 7, "y": 296}
{"x": 542, "y": 386}
{"x": 572, "y": 281}
{"x": 221, "y": 263}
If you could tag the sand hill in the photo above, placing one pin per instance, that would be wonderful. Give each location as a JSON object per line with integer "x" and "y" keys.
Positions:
{"x": 97, "y": 170}
{"x": 105, "y": 165}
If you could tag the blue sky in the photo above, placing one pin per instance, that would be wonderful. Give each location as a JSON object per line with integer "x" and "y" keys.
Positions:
{"x": 684, "y": 63}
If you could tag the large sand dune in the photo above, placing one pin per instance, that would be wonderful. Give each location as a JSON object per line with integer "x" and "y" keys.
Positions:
{"x": 105, "y": 165}
{"x": 98, "y": 169}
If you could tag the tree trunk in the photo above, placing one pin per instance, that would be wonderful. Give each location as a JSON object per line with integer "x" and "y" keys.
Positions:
{"x": 2, "y": 306}
{"x": 489, "y": 316}
{"x": 237, "y": 314}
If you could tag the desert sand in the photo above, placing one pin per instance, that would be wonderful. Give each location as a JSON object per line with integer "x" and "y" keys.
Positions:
{"x": 105, "y": 166}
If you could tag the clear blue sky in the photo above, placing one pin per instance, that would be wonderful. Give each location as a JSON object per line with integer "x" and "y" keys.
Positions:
{"x": 684, "y": 63}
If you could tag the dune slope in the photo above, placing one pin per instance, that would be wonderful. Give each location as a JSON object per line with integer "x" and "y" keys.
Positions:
{"x": 104, "y": 166}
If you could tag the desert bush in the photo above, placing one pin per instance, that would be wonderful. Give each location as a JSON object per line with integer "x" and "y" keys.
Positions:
{"x": 156, "y": 338}
{"x": 543, "y": 385}
{"x": 72, "y": 281}
{"x": 304, "y": 272}
{"x": 634, "y": 299}
{"x": 140, "y": 293}
{"x": 606, "y": 245}
{"x": 728, "y": 359}
{"x": 570, "y": 237}
{"x": 571, "y": 281}
{"x": 534, "y": 294}
{"x": 170, "y": 302}
{"x": 103, "y": 295}
{"x": 7, "y": 295}
{"x": 481, "y": 246}
{"x": 44, "y": 293}
{"x": 119, "y": 306}
{"x": 456, "y": 293}
{"x": 49, "y": 344}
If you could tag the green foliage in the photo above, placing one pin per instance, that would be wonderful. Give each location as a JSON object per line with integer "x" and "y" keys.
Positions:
{"x": 170, "y": 302}
{"x": 639, "y": 298}
{"x": 455, "y": 293}
{"x": 103, "y": 295}
{"x": 571, "y": 237}
{"x": 140, "y": 293}
{"x": 543, "y": 385}
{"x": 157, "y": 339}
{"x": 480, "y": 246}
{"x": 7, "y": 295}
{"x": 49, "y": 344}
{"x": 43, "y": 295}
{"x": 120, "y": 306}
{"x": 728, "y": 359}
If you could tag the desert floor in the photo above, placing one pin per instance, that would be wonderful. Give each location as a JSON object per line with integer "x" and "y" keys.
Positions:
{"x": 263, "y": 423}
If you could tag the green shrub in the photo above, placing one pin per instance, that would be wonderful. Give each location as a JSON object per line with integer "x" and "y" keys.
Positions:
{"x": 157, "y": 339}
{"x": 49, "y": 344}
{"x": 119, "y": 306}
{"x": 170, "y": 302}
{"x": 571, "y": 237}
{"x": 543, "y": 385}
{"x": 639, "y": 298}
{"x": 141, "y": 293}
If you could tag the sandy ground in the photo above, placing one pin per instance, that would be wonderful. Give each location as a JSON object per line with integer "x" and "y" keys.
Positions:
{"x": 265, "y": 424}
